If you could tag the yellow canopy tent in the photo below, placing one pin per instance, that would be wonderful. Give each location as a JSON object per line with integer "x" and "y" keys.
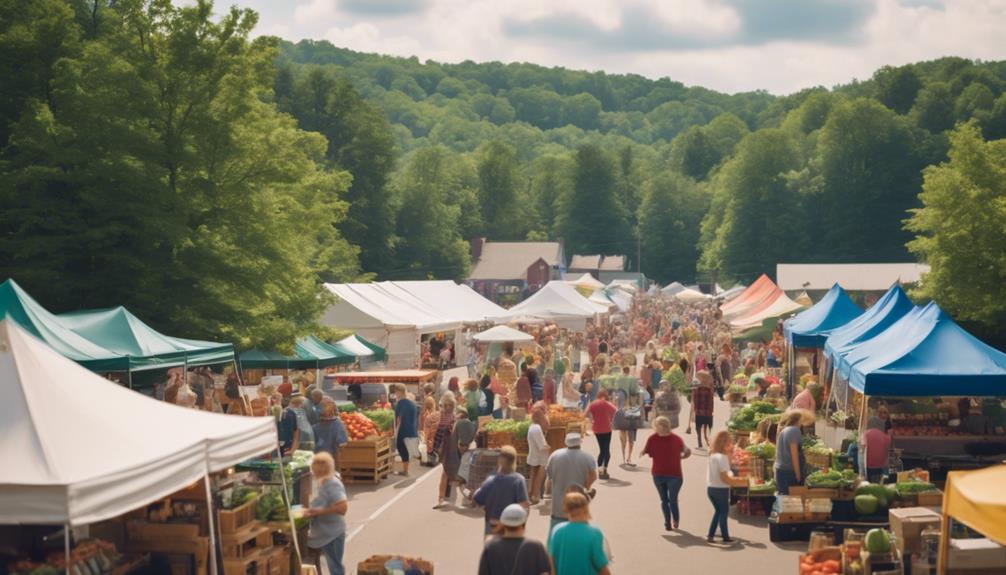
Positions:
{"x": 976, "y": 499}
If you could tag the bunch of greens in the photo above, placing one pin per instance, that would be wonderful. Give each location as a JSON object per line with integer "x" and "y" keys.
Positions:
{"x": 384, "y": 419}
{"x": 270, "y": 507}
{"x": 832, "y": 479}
{"x": 747, "y": 417}
{"x": 914, "y": 487}
{"x": 516, "y": 428}
{"x": 762, "y": 450}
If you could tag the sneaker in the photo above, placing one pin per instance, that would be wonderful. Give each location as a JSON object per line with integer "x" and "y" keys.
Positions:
{"x": 710, "y": 539}
{"x": 727, "y": 540}
{"x": 667, "y": 527}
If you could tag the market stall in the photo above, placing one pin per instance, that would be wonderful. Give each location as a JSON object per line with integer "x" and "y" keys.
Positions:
{"x": 59, "y": 421}
{"x": 974, "y": 498}
{"x": 809, "y": 329}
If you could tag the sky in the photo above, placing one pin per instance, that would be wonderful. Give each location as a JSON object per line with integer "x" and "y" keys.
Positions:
{"x": 728, "y": 45}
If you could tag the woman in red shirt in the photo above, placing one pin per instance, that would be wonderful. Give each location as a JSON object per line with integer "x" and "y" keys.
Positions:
{"x": 600, "y": 413}
{"x": 667, "y": 450}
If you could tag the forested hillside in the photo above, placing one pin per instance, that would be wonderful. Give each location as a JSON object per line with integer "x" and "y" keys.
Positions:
{"x": 161, "y": 157}
{"x": 707, "y": 182}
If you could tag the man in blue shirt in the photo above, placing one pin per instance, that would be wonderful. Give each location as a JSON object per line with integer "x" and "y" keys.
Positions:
{"x": 406, "y": 425}
{"x": 502, "y": 489}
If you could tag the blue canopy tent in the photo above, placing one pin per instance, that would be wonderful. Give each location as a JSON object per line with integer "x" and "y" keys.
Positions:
{"x": 935, "y": 357}
{"x": 810, "y": 328}
{"x": 888, "y": 309}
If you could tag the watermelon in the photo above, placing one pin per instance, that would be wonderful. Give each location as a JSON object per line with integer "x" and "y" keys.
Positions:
{"x": 878, "y": 541}
{"x": 874, "y": 489}
{"x": 867, "y": 504}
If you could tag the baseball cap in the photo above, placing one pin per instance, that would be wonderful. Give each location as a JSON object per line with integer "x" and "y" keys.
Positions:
{"x": 573, "y": 440}
{"x": 513, "y": 515}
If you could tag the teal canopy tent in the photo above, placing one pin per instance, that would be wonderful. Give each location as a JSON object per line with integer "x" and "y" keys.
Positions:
{"x": 16, "y": 304}
{"x": 122, "y": 332}
{"x": 310, "y": 352}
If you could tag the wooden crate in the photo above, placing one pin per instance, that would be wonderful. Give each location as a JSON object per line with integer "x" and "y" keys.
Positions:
{"x": 242, "y": 565}
{"x": 232, "y": 520}
{"x": 278, "y": 558}
{"x": 247, "y": 541}
{"x": 197, "y": 547}
{"x": 374, "y": 565}
{"x": 153, "y": 531}
{"x": 556, "y": 437}
{"x": 366, "y": 461}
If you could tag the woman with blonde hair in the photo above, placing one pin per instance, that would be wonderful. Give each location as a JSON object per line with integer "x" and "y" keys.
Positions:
{"x": 431, "y": 419}
{"x": 570, "y": 397}
{"x": 719, "y": 479}
{"x": 327, "y": 534}
{"x": 538, "y": 452}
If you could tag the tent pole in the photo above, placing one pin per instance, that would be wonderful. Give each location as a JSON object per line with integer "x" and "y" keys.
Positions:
{"x": 66, "y": 544}
{"x": 944, "y": 549}
{"x": 185, "y": 369}
{"x": 286, "y": 499}
{"x": 212, "y": 524}
{"x": 129, "y": 378}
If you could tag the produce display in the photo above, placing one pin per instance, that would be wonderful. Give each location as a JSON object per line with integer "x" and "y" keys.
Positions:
{"x": 747, "y": 417}
{"x": 237, "y": 497}
{"x": 914, "y": 487}
{"x": 516, "y": 428}
{"x": 384, "y": 419}
{"x": 813, "y": 446}
{"x": 270, "y": 506}
{"x": 736, "y": 389}
{"x": 763, "y": 450}
{"x": 762, "y": 488}
{"x": 358, "y": 426}
{"x": 560, "y": 417}
{"x": 810, "y": 566}
{"x": 832, "y": 479}
{"x": 94, "y": 557}
{"x": 878, "y": 541}
{"x": 872, "y": 498}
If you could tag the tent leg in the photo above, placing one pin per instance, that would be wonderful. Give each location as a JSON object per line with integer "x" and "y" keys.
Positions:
{"x": 286, "y": 500}
{"x": 212, "y": 525}
{"x": 129, "y": 378}
{"x": 66, "y": 544}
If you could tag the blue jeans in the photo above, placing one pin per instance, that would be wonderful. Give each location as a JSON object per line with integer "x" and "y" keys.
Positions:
{"x": 784, "y": 479}
{"x": 333, "y": 555}
{"x": 720, "y": 497}
{"x": 668, "y": 488}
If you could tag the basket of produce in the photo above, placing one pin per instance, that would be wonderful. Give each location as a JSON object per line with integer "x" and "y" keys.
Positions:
{"x": 917, "y": 493}
{"x": 736, "y": 393}
{"x": 764, "y": 451}
{"x": 358, "y": 426}
{"x": 500, "y": 432}
{"x": 825, "y": 561}
{"x": 818, "y": 454}
{"x": 746, "y": 419}
{"x": 238, "y": 509}
{"x": 384, "y": 564}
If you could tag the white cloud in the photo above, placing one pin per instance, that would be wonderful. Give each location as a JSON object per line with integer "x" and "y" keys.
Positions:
{"x": 721, "y": 44}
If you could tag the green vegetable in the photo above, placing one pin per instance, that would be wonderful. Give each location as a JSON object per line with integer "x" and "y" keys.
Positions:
{"x": 747, "y": 417}
{"x": 762, "y": 450}
{"x": 914, "y": 487}
{"x": 878, "y": 541}
{"x": 767, "y": 487}
{"x": 867, "y": 505}
{"x": 516, "y": 428}
{"x": 384, "y": 419}
{"x": 736, "y": 389}
{"x": 878, "y": 491}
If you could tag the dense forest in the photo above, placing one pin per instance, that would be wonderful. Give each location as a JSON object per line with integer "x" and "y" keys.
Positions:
{"x": 162, "y": 157}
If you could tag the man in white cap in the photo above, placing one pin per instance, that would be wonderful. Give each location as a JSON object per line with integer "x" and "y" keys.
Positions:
{"x": 510, "y": 552}
{"x": 569, "y": 467}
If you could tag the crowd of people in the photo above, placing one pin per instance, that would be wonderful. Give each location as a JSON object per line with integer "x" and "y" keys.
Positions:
{"x": 622, "y": 376}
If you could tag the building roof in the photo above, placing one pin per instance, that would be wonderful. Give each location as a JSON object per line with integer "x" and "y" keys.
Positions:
{"x": 579, "y": 262}
{"x": 853, "y": 277}
{"x": 613, "y": 263}
{"x": 510, "y": 260}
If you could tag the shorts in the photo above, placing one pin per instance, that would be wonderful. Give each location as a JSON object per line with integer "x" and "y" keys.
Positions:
{"x": 706, "y": 420}
{"x": 631, "y": 433}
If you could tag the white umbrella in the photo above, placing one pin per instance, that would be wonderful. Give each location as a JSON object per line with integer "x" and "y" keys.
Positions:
{"x": 502, "y": 333}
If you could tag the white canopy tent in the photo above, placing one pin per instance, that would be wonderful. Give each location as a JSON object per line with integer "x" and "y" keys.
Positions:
{"x": 390, "y": 318}
{"x": 502, "y": 334}
{"x": 586, "y": 281}
{"x": 445, "y": 299}
{"x": 672, "y": 288}
{"x": 81, "y": 449}
{"x": 558, "y": 302}
{"x": 688, "y": 294}
{"x": 628, "y": 286}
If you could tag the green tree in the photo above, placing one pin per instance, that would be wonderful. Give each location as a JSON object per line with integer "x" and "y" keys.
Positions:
{"x": 360, "y": 141}
{"x": 669, "y": 220}
{"x": 870, "y": 178}
{"x": 430, "y": 245}
{"x": 693, "y": 154}
{"x": 961, "y": 232}
{"x": 581, "y": 110}
{"x": 497, "y": 169}
{"x": 934, "y": 108}
{"x": 551, "y": 181}
{"x": 759, "y": 210}
{"x": 157, "y": 176}
{"x": 897, "y": 87}
{"x": 591, "y": 218}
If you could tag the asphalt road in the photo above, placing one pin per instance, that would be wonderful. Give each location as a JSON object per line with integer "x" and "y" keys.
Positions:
{"x": 397, "y": 516}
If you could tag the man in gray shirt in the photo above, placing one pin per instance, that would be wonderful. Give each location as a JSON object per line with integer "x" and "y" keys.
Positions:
{"x": 567, "y": 468}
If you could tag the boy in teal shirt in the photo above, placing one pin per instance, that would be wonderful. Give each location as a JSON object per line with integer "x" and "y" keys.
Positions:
{"x": 576, "y": 546}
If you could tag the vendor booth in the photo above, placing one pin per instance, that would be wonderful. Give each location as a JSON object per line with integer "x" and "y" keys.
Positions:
{"x": 557, "y": 302}
{"x": 975, "y": 498}
{"x": 809, "y": 329}
{"x": 61, "y": 423}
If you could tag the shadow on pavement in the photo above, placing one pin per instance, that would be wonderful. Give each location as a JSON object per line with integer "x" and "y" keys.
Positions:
{"x": 631, "y": 469}
{"x": 613, "y": 482}
{"x": 683, "y": 539}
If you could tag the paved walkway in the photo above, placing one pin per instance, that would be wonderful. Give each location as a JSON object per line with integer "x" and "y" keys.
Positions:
{"x": 398, "y": 517}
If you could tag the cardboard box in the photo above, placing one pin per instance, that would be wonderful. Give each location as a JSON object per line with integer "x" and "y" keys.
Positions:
{"x": 907, "y": 524}
{"x": 976, "y": 554}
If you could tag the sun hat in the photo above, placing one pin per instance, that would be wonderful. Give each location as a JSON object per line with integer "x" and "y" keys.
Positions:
{"x": 513, "y": 515}
{"x": 573, "y": 439}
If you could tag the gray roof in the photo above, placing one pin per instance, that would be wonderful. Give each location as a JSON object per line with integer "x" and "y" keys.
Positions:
{"x": 854, "y": 277}
{"x": 585, "y": 262}
{"x": 510, "y": 260}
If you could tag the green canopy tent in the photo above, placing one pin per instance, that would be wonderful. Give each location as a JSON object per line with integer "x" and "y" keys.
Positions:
{"x": 360, "y": 347}
{"x": 16, "y": 304}
{"x": 310, "y": 352}
{"x": 122, "y": 332}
